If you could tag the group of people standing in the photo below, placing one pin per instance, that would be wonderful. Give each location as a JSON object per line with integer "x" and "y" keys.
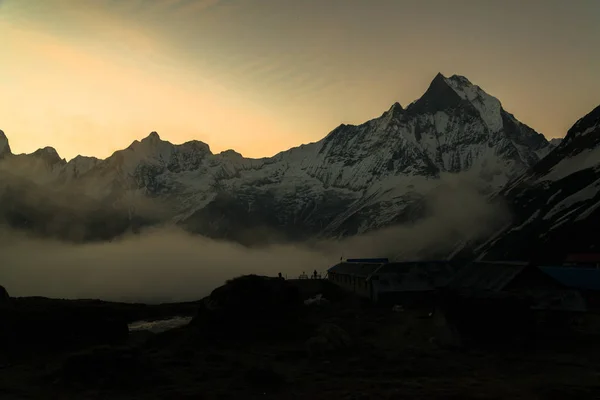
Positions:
{"x": 315, "y": 275}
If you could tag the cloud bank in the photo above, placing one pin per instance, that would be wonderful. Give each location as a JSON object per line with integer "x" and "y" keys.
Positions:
{"x": 166, "y": 264}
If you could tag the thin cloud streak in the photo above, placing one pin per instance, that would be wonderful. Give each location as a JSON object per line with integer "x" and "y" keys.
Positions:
{"x": 336, "y": 61}
{"x": 127, "y": 86}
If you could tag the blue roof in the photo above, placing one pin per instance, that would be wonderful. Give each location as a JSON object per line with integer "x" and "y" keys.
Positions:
{"x": 575, "y": 277}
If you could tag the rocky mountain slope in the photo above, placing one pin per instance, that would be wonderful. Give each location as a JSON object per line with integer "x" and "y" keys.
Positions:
{"x": 357, "y": 179}
{"x": 556, "y": 204}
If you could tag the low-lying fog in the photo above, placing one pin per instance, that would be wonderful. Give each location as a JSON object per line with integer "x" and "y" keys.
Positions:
{"x": 171, "y": 265}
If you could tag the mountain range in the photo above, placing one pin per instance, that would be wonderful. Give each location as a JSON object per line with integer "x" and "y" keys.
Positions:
{"x": 357, "y": 179}
{"x": 556, "y": 203}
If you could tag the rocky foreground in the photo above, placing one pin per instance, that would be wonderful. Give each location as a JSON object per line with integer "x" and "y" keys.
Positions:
{"x": 256, "y": 338}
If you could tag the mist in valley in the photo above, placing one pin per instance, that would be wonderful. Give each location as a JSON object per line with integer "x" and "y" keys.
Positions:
{"x": 165, "y": 264}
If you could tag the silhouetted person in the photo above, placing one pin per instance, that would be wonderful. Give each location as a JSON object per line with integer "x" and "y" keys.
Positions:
{"x": 280, "y": 277}
{"x": 315, "y": 274}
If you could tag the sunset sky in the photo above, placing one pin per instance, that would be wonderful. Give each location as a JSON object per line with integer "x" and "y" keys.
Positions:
{"x": 260, "y": 76}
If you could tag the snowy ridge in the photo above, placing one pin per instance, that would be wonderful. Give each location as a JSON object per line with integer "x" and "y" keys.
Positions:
{"x": 556, "y": 202}
{"x": 79, "y": 166}
{"x": 358, "y": 178}
{"x": 488, "y": 106}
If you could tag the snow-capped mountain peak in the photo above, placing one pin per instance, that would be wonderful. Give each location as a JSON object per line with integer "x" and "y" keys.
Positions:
{"x": 556, "y": 204}
{"x": 488, "y": 106}
{"x": 357, "y": 178}
{"x": 161, "y": 154}
{"x": 451, "y": 93}
{"x": 48, "y": 155}
{"x": 79, "y": 166}
{"x": 395, "y": 108}
{"x": 585, "y": 125}
{"x": 439, "y": 96}
{"x": 153, "y": 137}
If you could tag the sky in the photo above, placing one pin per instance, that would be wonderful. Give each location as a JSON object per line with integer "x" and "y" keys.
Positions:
{"x": 260, "y": 76}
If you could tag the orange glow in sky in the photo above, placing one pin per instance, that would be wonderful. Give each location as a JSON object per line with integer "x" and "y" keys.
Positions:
{"x": 89, "y": 77}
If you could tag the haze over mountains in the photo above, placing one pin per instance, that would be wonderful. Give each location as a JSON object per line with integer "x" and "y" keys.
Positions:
{"x": 454, "y": 145}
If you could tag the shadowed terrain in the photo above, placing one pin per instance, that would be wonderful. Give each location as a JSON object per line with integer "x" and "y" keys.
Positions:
{"x": 254, "y": 338}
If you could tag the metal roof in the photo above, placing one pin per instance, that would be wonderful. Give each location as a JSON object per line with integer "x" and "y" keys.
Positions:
{"x": 416, "y": 276}
{"x": 486, "y": 275}
{"x": 575, "y": 277}
{"x": 368, "y": 260}
{"x": 402, "y": 276}
{"x": 362, "y": 270}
